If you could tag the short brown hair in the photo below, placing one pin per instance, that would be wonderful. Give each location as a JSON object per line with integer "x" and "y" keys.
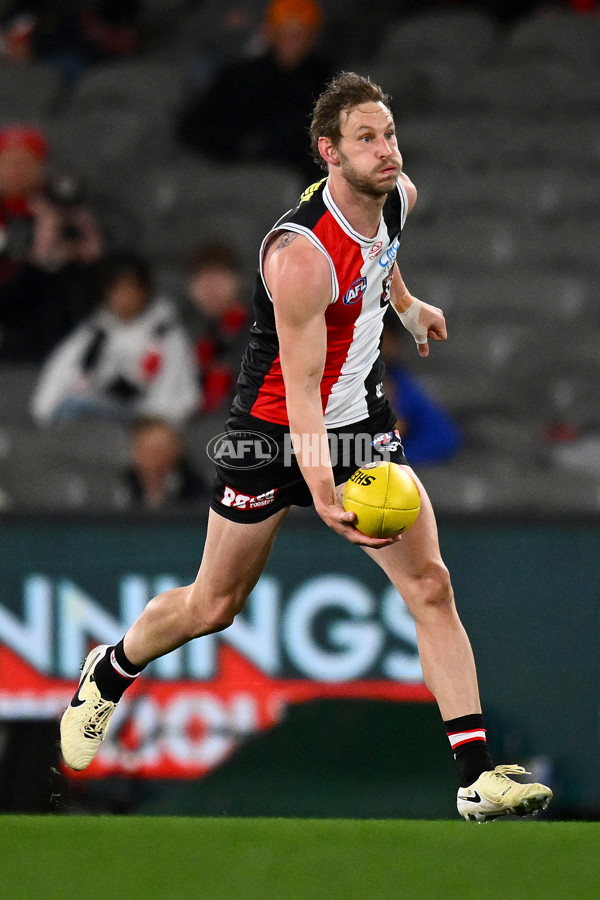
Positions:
{"x": 343, "y": 93}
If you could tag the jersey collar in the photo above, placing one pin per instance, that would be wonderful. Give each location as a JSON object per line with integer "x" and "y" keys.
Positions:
{"x": 345, "y": 224}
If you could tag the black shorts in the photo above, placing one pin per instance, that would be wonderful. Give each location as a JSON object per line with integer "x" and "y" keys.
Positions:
{"x": 257, "y": 473}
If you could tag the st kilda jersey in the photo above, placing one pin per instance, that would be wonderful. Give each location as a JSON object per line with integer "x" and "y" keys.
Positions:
{"x": 361, "y": 274}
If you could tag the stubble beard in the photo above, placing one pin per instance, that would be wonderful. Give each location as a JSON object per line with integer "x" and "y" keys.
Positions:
{"x": 365, "y": 184}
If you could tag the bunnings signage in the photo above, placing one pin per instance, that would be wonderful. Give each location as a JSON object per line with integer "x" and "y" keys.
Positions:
{"x": 326, "y": 635}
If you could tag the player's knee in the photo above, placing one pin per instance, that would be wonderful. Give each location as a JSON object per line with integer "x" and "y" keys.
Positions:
{"x": 209, "y": 614}
{"x": 433, "y": 589}
{"x": 219, "y": 618}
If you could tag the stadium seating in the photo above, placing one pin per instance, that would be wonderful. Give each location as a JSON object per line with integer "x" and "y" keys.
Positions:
{"x": 150, "y": 86}
{"x": 185, "y": 202}
{"x": 97, "y": 142}
{"x": 527, "y": 89}
{"x": 29, "y": 93}
{"x": 59, "y": 488}
{"x": 556, "y": 36}
{"x": 457, "y": 36}
{"x": 16, "y": 385}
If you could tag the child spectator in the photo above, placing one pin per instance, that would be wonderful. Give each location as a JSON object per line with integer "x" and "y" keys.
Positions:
{"x": 159, "y": 475}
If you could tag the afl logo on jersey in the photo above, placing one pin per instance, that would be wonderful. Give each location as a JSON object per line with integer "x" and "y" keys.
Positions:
{"x": 356, "y": 291}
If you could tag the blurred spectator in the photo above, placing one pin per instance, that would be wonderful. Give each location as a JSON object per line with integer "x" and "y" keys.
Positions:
{"x": 17, "y": 32}
{"x": 217, "y": 315}
{"x": 572, "y": 446}
{"x": 48, "y": 240}
{"x": 159, "y": 475}
{"x": 130, "y": 358}
{"x": 72, "y": 34}
{"x": 38, "y": 30}
{"x": 428, "y": 433}
{"x": 257, "y": 109}
{"x": 582, "y": 6}
{"x": 111, "y": 29}
{"x": 222, "y": 31}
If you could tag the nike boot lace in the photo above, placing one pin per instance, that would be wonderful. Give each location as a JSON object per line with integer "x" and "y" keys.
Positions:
{"x": 94, "y": 727}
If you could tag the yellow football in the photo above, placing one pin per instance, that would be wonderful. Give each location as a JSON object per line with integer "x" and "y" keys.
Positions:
{"x": 384, "y": 497}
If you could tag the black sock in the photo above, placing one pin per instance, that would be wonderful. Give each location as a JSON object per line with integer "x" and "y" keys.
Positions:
{"x": 115, "y": 673}
{"x": 467, "y": 738}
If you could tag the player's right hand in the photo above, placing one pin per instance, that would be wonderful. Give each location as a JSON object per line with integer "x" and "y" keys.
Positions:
{"x": 343, "y": 522}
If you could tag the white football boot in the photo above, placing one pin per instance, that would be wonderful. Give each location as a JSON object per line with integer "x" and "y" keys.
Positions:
{"x": 85, "y": 721}
{"x": 494, "y": 794}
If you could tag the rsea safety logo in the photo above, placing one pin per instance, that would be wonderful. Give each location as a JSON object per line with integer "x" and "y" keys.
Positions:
{"x": 242, "y": 449}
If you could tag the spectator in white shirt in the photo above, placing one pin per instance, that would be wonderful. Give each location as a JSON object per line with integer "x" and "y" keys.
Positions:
{"x": 130, "y": 358}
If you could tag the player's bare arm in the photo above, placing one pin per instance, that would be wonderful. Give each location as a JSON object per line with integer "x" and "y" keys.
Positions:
{"x": 423, "y": 321}
{"x": 299, "y": 280}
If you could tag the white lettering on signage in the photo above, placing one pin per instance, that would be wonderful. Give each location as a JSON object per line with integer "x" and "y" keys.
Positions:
{"x": 31, "y": 638}
{"x": 81, "y": 618}
{"x": 331, "y": 628}
{"x": 356, "y": 640}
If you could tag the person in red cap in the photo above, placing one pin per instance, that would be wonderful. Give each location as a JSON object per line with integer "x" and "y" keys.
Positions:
{"x": 23, "y": 153}
{"x": 258, "y": 108}
{"x": 47, "y": 243}
{"x": 24, "y": 137}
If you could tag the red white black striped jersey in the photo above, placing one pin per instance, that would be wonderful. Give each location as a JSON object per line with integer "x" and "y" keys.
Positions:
{"x": 361, "y": 273}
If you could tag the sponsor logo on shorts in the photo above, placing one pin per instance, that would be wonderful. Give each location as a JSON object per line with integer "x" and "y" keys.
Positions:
{"x": 356, "y": 291}
{"x": 236, "y": 500}
{"x": 242, "y": 449}
{"x": 387, "y": 442}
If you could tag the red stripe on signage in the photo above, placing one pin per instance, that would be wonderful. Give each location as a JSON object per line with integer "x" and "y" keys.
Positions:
{"x": 166, "y": 724}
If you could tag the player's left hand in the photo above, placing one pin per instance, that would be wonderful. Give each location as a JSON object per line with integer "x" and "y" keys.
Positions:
{"x": 425, "y": 322}
{"x": 431, "y": 320}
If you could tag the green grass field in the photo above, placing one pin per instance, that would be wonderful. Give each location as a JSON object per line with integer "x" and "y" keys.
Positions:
{"x": 101, "y": 858}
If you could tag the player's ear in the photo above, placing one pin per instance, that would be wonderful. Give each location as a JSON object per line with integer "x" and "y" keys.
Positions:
{"x": 329, "y": 151}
